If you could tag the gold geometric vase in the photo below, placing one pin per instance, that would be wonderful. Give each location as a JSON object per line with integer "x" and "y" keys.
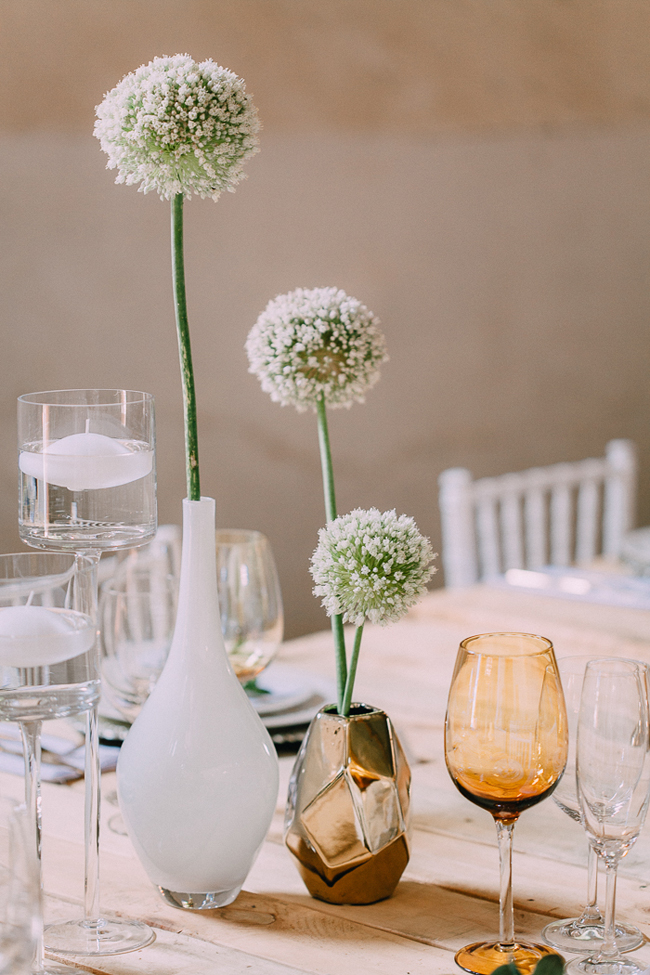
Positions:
{"x": 347, "y": 821}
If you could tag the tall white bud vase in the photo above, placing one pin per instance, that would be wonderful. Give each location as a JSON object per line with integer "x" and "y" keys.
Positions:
{"x": 198, "y": 773}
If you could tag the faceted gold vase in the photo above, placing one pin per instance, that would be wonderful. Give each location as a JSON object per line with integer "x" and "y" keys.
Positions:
{"x": 347, "y": 817}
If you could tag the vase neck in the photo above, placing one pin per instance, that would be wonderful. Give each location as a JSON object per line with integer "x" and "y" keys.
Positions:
{"x": 198, "y": 600}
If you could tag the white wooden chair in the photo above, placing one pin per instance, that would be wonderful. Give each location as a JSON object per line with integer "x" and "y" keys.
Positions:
{"x": 558, "y": 515}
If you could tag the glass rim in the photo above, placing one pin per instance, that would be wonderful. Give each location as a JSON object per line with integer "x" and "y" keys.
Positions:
{"x": 543, "y": 644}
{"x": 235, "y": 536}
{"x": 59, "y": 570}
{"x": 39, "y": 398}
{"x": 72, "y": 557}
{"x": 630, "y": 662}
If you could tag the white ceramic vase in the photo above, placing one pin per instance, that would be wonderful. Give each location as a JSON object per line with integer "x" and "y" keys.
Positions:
{"x": 198, "y": 773}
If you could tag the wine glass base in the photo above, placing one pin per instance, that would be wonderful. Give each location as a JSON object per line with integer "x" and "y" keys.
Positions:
{"x": 100, "y": 936}
{"x": 53, "y": 968}
{"x": 481, "y": 958}
{"x": 576, "y": 935}
{"x": 611, "y": 966}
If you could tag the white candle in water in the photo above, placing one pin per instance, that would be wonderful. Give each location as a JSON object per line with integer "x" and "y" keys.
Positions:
{"x": 37, "y": 636}
{"x": 88, "y": 461}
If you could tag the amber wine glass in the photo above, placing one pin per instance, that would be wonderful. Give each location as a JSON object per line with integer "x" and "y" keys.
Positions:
{"x": 506, "y": 744}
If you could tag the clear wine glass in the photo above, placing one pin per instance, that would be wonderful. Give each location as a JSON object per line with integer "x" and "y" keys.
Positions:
{"x": 506, "y": 746}
{"x": 584, "y": 933}
{"x": 88, "y": 485}
{"x": 137, "y": 612}
{"x": 613, "y": 774}
{"x": 249, "y": 600}
{"x": 49, "y": 666}
{"x": 21, "y": 918}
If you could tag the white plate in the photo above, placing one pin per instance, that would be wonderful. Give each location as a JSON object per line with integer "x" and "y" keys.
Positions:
{"x": 287, "y": 689}
{"x": 294, "y": 698}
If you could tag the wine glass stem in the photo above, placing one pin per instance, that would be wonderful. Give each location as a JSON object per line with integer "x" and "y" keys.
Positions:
{"x": 591, "y": 912}
{"x": 93, "y": 789}
{"x": 506, "y": 915}
{"x": 31, "y": 733}
{"x": 91, "y": 823}
{"x": 610, "y": 948}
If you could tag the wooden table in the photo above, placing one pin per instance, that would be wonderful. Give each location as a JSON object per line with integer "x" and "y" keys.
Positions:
{"x": 449, "y": 893}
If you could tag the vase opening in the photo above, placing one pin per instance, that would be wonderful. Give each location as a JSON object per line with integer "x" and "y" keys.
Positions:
{"x": 355, "y": 710}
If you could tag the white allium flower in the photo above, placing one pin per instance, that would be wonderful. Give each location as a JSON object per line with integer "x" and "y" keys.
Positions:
{"x": 371, "y": 565}
{"x": 316, "y": 342}
{"x": 176, "y": 126}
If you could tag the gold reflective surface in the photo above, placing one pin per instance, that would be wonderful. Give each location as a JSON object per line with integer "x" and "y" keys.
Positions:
{"x": 347, "y": 819}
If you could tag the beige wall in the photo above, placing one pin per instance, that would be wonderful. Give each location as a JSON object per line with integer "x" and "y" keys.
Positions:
{"x": 476, "y": 172}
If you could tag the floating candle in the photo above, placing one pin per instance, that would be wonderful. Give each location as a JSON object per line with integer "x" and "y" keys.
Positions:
{"x": 37, "y": 636}
{"x": 88, "y": 461}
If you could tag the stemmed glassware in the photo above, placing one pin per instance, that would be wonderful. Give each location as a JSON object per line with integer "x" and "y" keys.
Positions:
{"x": 21, "y": 919}
{"x": 88, "y": 485}
{"x": 249, "y": 600}
{"x": 584, "y": 933}
{"x": 613, "y": 775}
{"x": 48, "y": 661}
{"x": 506, "y": 743}
{"x": 137, "y": 611}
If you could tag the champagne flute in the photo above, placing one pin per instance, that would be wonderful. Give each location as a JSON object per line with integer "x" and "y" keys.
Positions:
{"x": 506, "y": 744}
{"x": 613, "y": 775}
{"x": 88, "y": 485}
{"x": 249, "y": 600}
{"x": 586, "y": 932}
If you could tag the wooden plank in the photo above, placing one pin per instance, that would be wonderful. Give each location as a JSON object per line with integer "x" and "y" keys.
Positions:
{"x": 177, "y": 954}
{"x": 450, "y": 890}
{"x": 269, "y": 926}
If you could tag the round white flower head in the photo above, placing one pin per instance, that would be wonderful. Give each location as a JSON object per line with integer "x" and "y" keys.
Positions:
{"x": 176, "y": 126}
{"x": 312, "y": 343}
{"x": 371, "y": 565}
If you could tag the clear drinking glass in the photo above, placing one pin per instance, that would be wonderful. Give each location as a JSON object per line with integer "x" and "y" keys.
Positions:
{"x": 88, "y": 485}
{"x": 21, "y": 919}
{"x": 250, "y": 601}
{"x": 584, "y": 933}
{"x": 137, "y": 611}
{"x": 49, "y": 661}
{"x": 506, "y": 744}
{"x": 87, "y": 469}
{"x": 613, "y": 773}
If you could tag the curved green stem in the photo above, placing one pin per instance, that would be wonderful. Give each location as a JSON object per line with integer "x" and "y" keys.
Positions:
{"x": 352, "y": 672}
{"x": 185, "y": 352}
{"x": 330, "y": 514}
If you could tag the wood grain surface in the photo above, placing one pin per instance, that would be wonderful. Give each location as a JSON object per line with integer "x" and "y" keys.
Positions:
{"x": 449, "y": 893}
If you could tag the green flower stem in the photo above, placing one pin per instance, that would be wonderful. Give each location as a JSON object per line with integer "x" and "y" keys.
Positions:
{"x": 185, "y": 352}
{"x": 330, "y": 514}
{"x": 349, "y": 684}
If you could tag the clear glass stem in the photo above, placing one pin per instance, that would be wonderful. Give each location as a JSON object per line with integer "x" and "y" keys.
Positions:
{"x": 610, "y": 948}
{"x": 591, "y": 912}
{"x": 505, "y": 830}
{"x": 91, "y": 816}
{"x": 31, "y": 733}
{"x": 93, "y": 795}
